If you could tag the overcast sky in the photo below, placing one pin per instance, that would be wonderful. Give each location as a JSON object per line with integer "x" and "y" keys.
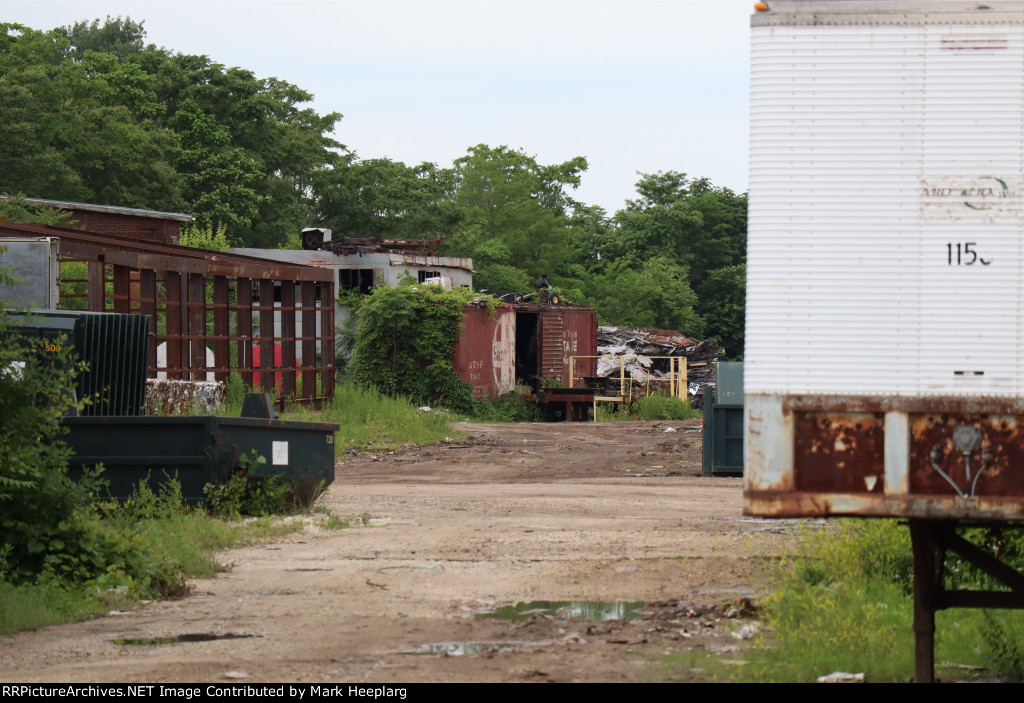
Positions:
{"x": 637, "y": 85}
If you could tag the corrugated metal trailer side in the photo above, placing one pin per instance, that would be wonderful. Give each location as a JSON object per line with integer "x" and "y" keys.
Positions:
{"x": 884, "y": 370}
{"x": 485, "y": 350}
{"x": 564, "y": 331}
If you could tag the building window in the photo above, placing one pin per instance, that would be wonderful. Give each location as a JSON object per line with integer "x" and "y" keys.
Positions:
{"x": 355, "y": 279}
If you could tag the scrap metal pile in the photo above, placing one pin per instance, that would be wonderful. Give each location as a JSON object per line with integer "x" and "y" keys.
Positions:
{"x": 638, "y": 349}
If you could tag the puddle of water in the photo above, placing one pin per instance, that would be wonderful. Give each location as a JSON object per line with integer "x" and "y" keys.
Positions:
{"x": 594, "y": 611}
{"x": 175, "y": 639}
{"x": 316, "y": 569}
{"x": 458, "y": 649}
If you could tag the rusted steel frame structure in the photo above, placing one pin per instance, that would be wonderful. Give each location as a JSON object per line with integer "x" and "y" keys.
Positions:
{"x": 931, "y": 541}
{"x": 365, "y": 245}
{"x": 203, "y": 300}
{"x": 941, "y": 457}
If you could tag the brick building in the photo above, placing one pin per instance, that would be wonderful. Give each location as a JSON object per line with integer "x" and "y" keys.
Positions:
{"x": 143, "y": 225}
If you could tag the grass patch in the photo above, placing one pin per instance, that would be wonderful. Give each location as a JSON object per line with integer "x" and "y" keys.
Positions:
{"x": 366, "y": 417}
{"x": 165, "y": 542}
{"x": 327, "y": 520}
{"x": 31, "y": 606}
{"x": 844, "y": 603}
{"x": 177, "y": 547}
{"x": 652, "y": 407}
{"x": 510, "y": 407}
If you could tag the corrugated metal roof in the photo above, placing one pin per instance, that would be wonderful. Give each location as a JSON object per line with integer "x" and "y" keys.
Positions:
{"x": 112, "y": 209}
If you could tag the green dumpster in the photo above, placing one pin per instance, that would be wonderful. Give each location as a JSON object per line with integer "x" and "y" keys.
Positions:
{"x": 723, "y": 422}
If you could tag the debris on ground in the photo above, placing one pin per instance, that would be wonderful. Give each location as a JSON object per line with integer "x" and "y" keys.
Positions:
{"x": 841, "y": 677}
{"x": 168, "y": 397}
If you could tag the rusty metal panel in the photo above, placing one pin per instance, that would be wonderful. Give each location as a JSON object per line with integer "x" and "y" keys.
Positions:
{"x": 881, "y": 460}
{"x": 268, "y": 354}
{"x": 327, "y": 341}
{"x": 579, "y": 338}
{"x": 806, "y": 504}
{"x": 839, "y": 452}
{"x": 287, "y": 336}
{"x": 485, "y": 351}
{"x": 221, "y": 328}
{"x": 95, "y": 286}
{"x": 197, "y": 325}
{"x": 172, "y": 319}
{"x": 550, "y": 363}
{"x": 122, "y": 289}
{"x": 565, "y": 331}
{"x": 988, "y": 461}
{"x": 243, "y": 297}
{"x": 147, "y": 306}
{"x": 307, "y": 294}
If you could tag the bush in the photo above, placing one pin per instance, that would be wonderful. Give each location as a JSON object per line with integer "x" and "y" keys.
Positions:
{"x": 47, "y": 523}
{"x": 663, "y": 407}
{"x": 405, "y": 344}
{"x": 510, "y": 407}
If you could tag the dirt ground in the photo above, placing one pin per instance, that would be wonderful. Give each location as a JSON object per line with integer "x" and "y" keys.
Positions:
{"x": 442, "y": 535}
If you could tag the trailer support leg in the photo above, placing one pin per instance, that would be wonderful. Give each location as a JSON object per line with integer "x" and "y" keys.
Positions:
{"x": 926, "y": 575}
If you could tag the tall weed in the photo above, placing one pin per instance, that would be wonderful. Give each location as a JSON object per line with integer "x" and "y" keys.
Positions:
{"x": 367, "y": 417}
{"x": 510, "y": 407}
{"x": 652, "y": 407}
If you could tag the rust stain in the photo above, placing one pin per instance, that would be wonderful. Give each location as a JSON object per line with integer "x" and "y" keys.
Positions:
{"x": 801, "y": 504}
{"x": 484, "y": 354}
{"x": 953, "y": 404}
{"x": 838, "y": 452}
{"x": 995, "y": 466}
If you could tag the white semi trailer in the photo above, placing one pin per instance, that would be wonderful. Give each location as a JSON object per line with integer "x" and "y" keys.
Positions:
{"x": 884, "y": 359}
{"x": 884, "y": 366}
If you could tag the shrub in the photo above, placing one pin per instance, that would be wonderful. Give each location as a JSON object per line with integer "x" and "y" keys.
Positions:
{"x": 405, "y": 344}
{"x": 663, "y": 407}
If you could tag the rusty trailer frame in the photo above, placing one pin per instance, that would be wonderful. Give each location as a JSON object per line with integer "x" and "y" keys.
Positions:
{"x": 940, "y": 463}
{"x": 238, "y": 307}
{"x": 942, "y": 457}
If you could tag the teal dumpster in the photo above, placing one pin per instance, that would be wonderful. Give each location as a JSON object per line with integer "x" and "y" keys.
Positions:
{"x": 723, "y": 422}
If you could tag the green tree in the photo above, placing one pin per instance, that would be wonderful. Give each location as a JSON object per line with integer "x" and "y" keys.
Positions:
{"x": 405, "y": 344}
{"x": 689, "y": 221}
{"x": 723, "y": 306}
{"x": 90, "y": 112}
{"x": 80, "y": 129}
{"x": 46, "y": 523}
{"x": 124, "y": 38}
{"x": 31, "y": 88}
{"x": 509, "y": 199}
{"x": 267, "y": 128}
{"x": 220, "y": 178}
{"x": 387, "y": 199}
{"x": 502, "y": 277}
{"x": 696, "y": 232}
{"x": 15, "y": 209}
{"x": 655, "y": 294}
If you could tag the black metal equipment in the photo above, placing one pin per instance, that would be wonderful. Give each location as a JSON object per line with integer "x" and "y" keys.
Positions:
{"x": 113, "y": 347}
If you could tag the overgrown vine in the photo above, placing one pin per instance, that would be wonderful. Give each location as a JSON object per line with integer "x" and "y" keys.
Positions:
{"x": 406, "y": 340}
